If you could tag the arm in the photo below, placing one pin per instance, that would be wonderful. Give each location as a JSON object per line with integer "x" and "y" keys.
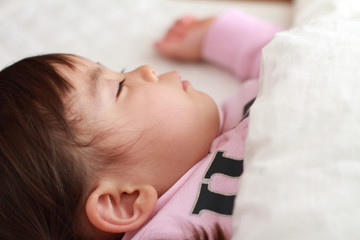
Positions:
{"x": 233, "y": 41}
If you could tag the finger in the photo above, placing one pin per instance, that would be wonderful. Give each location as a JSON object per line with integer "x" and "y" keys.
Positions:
{"x": 181, "y": 26}
{"x": 168, "y": 49}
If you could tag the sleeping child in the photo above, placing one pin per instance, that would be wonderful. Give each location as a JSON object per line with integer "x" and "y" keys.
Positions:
{"x": 89, "y": 153}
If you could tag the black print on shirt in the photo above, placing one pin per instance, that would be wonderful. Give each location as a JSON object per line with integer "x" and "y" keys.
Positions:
{"x": 217, "y": 202}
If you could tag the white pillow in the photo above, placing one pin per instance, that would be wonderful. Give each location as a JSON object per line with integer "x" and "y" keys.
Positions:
{"x": 302, "y": 161}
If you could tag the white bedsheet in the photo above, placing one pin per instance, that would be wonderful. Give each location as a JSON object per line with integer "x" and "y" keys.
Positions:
{"x": 118, "y": 33}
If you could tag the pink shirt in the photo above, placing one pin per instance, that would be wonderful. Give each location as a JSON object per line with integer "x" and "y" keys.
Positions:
{"x": 205, "y": 195}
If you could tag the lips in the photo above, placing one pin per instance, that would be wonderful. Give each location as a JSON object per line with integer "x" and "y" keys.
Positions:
{"x": 185, "y": 84}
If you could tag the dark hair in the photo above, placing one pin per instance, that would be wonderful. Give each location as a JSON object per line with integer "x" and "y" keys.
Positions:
{"x": 210, "y": 232}
{"x": 216, "y": 233}
{"x": 42, "y": 179}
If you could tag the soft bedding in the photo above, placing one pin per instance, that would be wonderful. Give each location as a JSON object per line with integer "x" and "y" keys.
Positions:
{"x": 119, "y": 33}
{"x": 302, "y": 161}
{"x": 302, "y": 168}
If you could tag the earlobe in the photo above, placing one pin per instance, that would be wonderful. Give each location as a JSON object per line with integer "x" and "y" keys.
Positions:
{"x": 120, "y": 209}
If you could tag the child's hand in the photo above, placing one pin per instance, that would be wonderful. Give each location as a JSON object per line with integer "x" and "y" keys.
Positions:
{"x": 184, "y": 39}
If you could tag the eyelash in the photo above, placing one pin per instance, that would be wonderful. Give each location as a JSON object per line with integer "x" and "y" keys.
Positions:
{"x": 121, "y": 84}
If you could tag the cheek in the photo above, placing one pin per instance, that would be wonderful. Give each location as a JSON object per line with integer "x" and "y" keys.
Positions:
{"x": 156, "y": 107}
{"x": 174, "y": 119}
{"x": 177, "y": 133}
{"x": 183, "y": 116}
{"x": 164, "y": 116}
{"x": 207, "y": 113}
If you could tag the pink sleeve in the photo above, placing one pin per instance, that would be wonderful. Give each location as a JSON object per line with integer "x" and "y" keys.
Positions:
{"x": 235, "y": 41}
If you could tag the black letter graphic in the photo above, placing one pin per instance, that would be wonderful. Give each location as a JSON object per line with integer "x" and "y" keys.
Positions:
{"x": 226, "y": 166}
{"x": 216, "y": 202}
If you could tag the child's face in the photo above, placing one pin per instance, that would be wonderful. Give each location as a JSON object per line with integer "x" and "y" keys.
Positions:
{"x": 167, "y": 124}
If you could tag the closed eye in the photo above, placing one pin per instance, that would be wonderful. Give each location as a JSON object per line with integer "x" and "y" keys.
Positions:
{"x": 121, "y": 84}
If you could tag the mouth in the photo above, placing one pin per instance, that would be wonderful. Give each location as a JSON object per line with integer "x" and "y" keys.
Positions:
{"x": 185, "y": 84}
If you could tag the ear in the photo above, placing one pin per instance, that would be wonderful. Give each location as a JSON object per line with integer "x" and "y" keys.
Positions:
{"x": 115, "y": 209}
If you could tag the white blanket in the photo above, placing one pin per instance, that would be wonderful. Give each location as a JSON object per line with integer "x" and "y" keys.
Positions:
{"x": 302, "y": 163}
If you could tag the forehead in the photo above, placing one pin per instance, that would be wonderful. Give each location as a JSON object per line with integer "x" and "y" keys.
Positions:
{"x": 84, "y": 81}
{"x": 84, "y": 72}
{"x": 79, "y": 64}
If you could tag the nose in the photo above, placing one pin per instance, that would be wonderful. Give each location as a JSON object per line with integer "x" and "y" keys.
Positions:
{"x": 147, "y": 73}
